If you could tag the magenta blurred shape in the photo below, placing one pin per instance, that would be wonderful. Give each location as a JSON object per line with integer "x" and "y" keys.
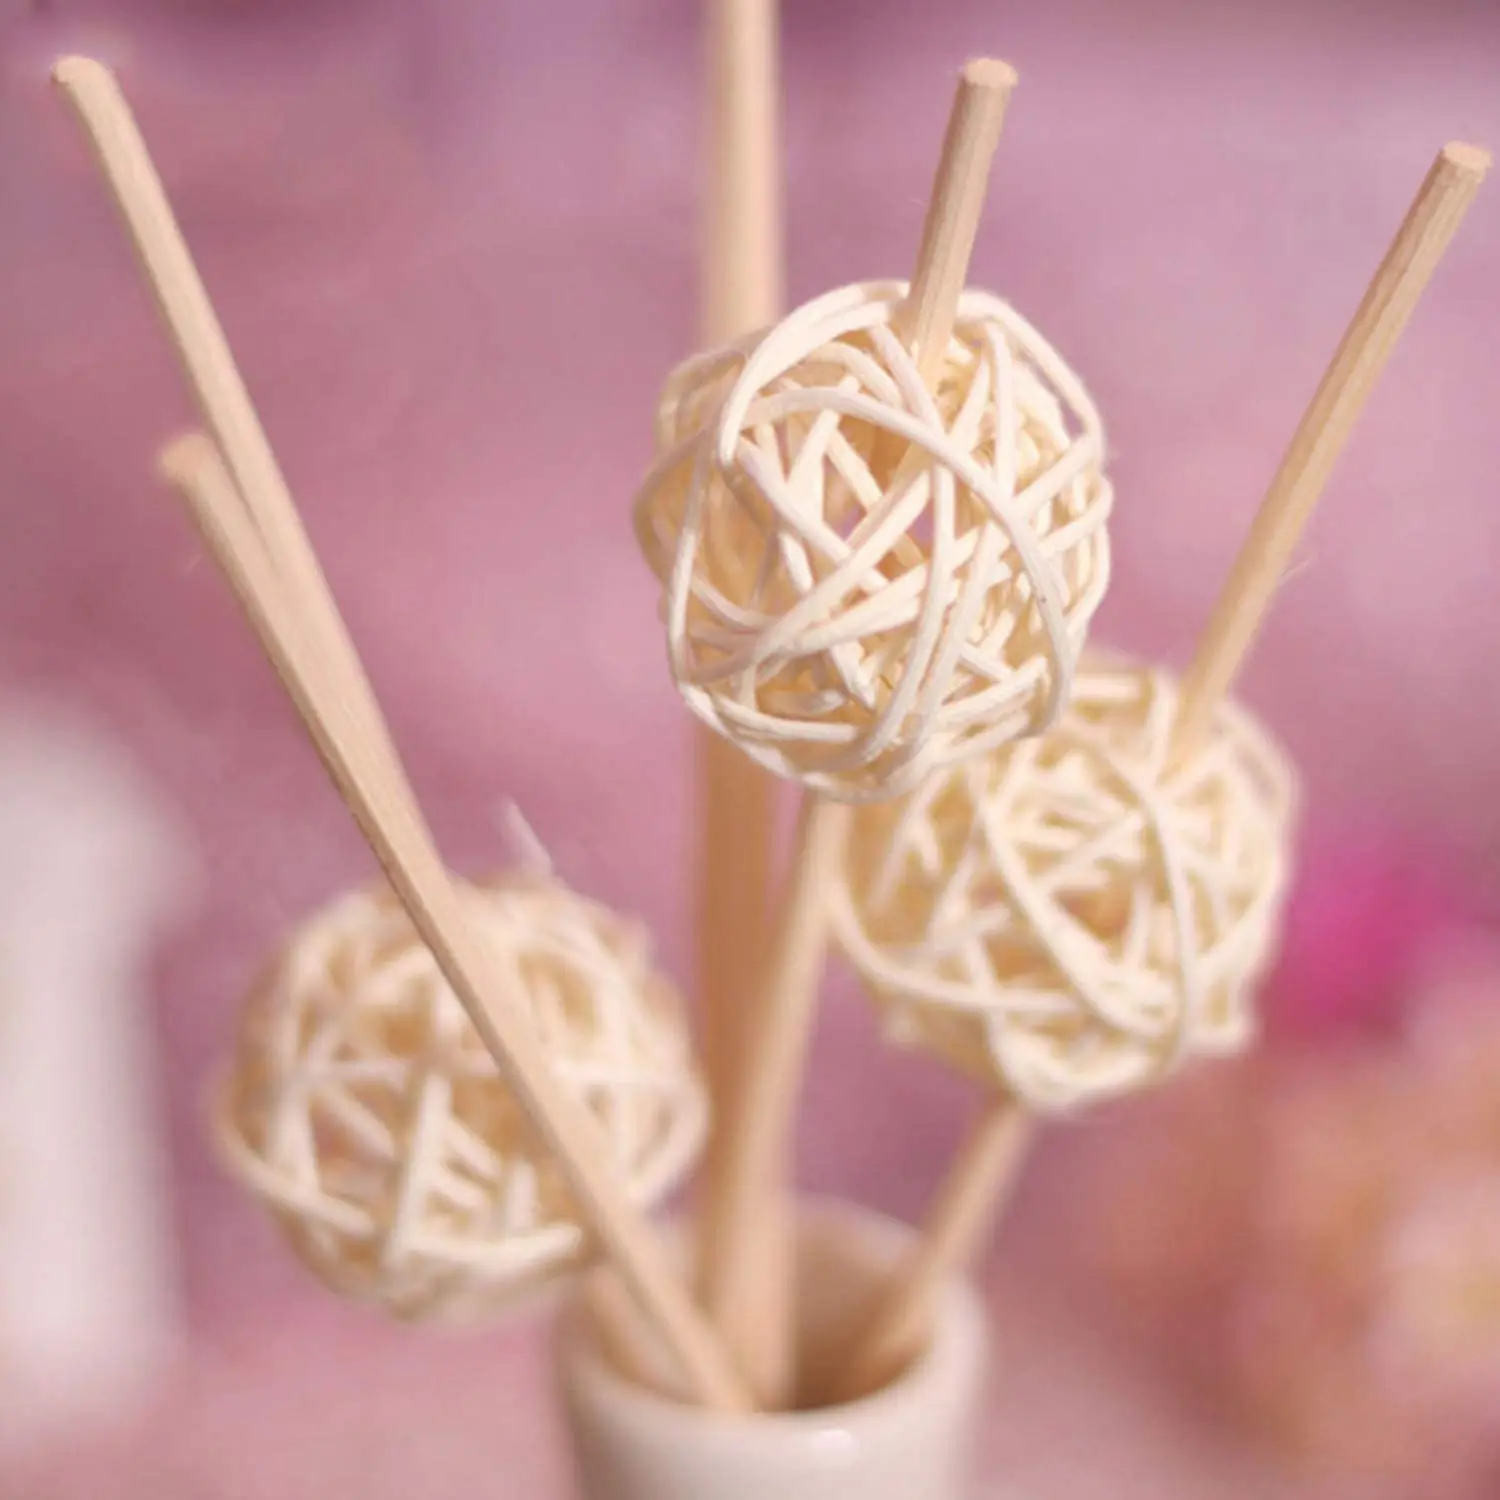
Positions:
{"x": 1370, "y": 905}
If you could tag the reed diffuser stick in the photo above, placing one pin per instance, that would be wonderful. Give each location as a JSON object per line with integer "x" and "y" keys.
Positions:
{"x": 750, "y": 1213}
{"x": 741, "y": 291}
{"x": 1388, "y": 303}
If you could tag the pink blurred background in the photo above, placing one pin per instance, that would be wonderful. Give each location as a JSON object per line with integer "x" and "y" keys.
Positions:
{"x": 453, "y": 245}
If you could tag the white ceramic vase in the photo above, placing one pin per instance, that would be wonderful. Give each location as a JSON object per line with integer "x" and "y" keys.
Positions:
{"x": 910, "y": 1441}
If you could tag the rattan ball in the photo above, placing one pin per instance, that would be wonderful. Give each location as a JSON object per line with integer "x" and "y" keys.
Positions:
{"x": 864, "y": 581}
{"x": 1072, "y": 916}
{"x": 365, "y": 1113}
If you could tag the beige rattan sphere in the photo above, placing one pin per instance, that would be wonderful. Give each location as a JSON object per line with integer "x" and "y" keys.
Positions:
{"x": 852, "y": 617}
{"x": 1068, "y": 916}
{"x": 364, "y": 1111}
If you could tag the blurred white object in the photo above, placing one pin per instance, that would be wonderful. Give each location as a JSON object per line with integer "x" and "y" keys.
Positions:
{"x": 93, "y": 866}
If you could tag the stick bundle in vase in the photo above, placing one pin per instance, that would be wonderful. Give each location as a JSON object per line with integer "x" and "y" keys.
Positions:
{"x": 879, "y": 527}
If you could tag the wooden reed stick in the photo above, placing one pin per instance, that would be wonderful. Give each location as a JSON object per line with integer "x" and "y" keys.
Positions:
{"x": 376, "y": 791}
{"x": 250, "y": 521}
{"x": 957, "y": 1224}
{"x": 193, "y": 326}
{"x": 742, "y": 231}
{"x": 186, "y": 309}
{"x": 199, "y": 340}
{"x": 983, "y": 1173}
{"x": 748, "y": 1282}
{"x": 741, "y": 291}
{"x": 925, "y": 320}
{"x": 748, "y": 1216}
{"x": 1424, "y": 236}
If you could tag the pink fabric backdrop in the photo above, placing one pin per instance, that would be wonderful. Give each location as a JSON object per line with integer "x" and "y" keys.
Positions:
{"x": 453, "y": 245}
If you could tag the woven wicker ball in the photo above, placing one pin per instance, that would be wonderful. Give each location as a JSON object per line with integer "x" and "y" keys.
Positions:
{"x": 1068, "y": 917}
{"x": 363, "y": 1110}
{"x": 851, "y": 616}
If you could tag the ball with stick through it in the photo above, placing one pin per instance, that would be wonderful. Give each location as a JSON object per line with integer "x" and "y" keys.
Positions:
{"x": 364, "y": 1112}
{"x": 1074, "y": 916}
{"x": 867, "y": 577}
